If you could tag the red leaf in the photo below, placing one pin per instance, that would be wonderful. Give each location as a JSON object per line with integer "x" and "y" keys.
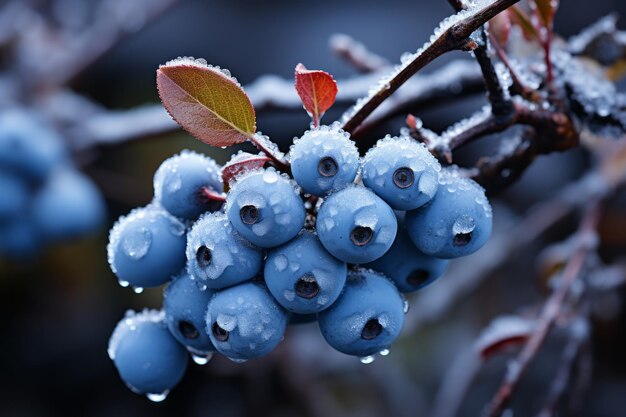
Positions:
{"x": 500, "y": 27}
{"x": 317, "y": 90}
{"x": 411, "y": 122}
{"x": 206, "y": 102}
{"x": 240, "y": 163}
{"x": 503, "y": 332}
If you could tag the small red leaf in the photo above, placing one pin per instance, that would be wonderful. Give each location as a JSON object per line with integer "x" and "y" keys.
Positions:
{"x": 503, "y": 332}
{"x": 500, "y": 27}
{"x": 317, "y": 90}
{"x": 411, "y": 122}
{"x": 240, "y": 163}
{"x": 206, "y": 102}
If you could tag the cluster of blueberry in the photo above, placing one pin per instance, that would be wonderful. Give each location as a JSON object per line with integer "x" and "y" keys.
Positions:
{"x": 44, "y": 199}
{"x": 338, "y": 241}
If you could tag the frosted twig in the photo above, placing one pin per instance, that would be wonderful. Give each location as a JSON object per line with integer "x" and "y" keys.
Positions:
{"x": 355, "y": 53}
{"x": 587, "y": 241}
{"x": 578, "y": 336}
{"x": 452, "y": 34}
{"x": 115, "y": 20}
{"x": 500, "y": 102}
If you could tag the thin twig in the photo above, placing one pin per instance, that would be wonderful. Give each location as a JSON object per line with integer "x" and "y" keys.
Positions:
{"x": 579, "y": 335}
{"x": 500, "y": 102}
{"x": 550, "y": 311}
{"x": 454, "y": 36}
{"x": 356, "y": 54}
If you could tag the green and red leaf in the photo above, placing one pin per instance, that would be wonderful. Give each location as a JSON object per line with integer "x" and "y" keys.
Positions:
{"x": 206, "y": 102}
{"x": 317, "y": 90}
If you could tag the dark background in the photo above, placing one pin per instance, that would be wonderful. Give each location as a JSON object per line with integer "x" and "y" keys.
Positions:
{"x": 58, "y": 310}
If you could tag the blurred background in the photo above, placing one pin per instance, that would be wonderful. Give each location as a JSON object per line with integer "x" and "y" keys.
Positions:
{"x": 60, "y": 302}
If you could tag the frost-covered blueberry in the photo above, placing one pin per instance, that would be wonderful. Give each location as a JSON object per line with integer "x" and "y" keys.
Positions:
{"x": 217, "y": 255}
{"x": 457, "y": 222}
{"x": 367, "y": 317}
{"x": 324, "y": 159}
{"x": 148, "y": 358}
{"x": 355, "y": 225}
{"x": 245, "y": 321}
{"x": 402, "y": 172}
{"x": 302, "y": 276}
{"x": 147, "y": 247}
{"x": 180, "y": 183}
{"x": 265, "y": 208}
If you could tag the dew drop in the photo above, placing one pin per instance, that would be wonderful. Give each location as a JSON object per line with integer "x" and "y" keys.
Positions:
{"x": 123, "y": 283}
{"x": 367, "y": 359}
{"x": 201, "y": 359}
{"x": 136, "y": 243}
{"x": 138, "y": 290}
{"x": 384, "y": 352}
{"x": 405, "y": 306}
{"x": 157, "y": 398}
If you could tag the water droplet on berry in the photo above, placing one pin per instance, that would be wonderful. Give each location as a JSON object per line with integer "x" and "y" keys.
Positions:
{"x": 136, "y": 243}
{"x": 384, "y": 352}
{"x": 157, "y": 398}
{"x": 201, "y": 359}
{"x": 138, "y": 290}
{"x": 367, "y": 359}
{"x": 406, "y": 306}
{"x": 123, "y": 283}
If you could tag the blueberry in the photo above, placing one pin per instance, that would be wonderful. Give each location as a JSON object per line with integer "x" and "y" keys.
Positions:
{"x": 185, "y": 305}
{"x": 407, "y": 267}
{"x": 14, "y": 195}
{"x": 367, "y": 317}
{"x": 324, "y": 159}
{"x": 146, "y": 355}
{"x": 355, "y": 225}
{"x": 147, "y": 247}
{"x": 302, "y": 276}
{"x": 217, "y": 255}
{"x": 28, "y": 146}
{"x": 245, "y": 322}
{"x": 68, "y": 205}
{"x": 265, "y": 208}
{"x": 180, "y": 181}
{"x": 457, "y": 222}
{"x": 402, "y": 172}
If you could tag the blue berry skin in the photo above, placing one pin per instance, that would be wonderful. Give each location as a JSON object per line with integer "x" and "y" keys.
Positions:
{"x": 68, "y": 205}
{"x": 146, "y": 355}
{"x": 408, "y": 268}
{"x": 179, "y": 183}
{"x": 217, "y": 256}
{"x": 14, "y": 195}
{"x": 367, "y": 317}
{"x": 147, "y": 247}
{"x": 19, "y": 238}
{"x": 265, "y": 208}
{"x": 302, "y": 276}
{"x": 402, "y": 172}
{"x": 28, "y": 147}
{"x": 245, "y": 322}
{"x": 457, "y": 222}
{"x": 185, "y": 304}
{"x": 324, "y": 159}
{"x": 355, "y": 225}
